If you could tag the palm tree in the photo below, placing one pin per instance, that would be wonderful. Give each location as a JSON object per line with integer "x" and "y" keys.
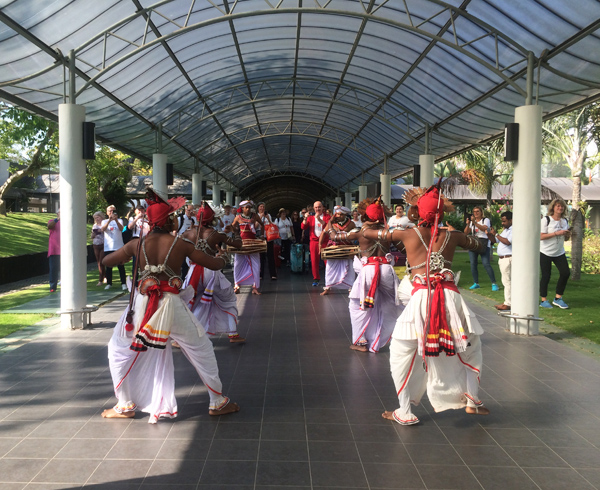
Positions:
{"x": 567, "y": 137}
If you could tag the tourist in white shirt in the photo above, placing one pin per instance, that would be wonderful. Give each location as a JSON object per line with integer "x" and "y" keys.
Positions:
{"x": 227, "y": 220}
{"x": 356, "y": 219}
{"x": 113, "y": 241}
{"x": 285, "y": 232}
{"x": 554, "y": 232}
{"x": 138, "y": 226}
{"x": 504, "y": 252}
{"x": 186, "y": 220}
{"x": 395, "y": 221}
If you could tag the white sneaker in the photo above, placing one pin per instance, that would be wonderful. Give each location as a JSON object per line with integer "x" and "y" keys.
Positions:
{"x": 108, "y": 286}
{"x": 124, "y": 287}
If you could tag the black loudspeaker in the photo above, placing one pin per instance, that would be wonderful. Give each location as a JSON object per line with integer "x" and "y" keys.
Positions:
{"x": 169, "y": 174}
{"x": 511, "y": 142}
{"x": 417, "y": 176}
{"x": 89, "y": 141}
{"x": 203, "y": 190}
{"x": 223, "y": 196}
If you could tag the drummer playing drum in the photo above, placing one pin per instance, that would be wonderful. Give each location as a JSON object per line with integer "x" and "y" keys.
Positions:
{"x": 246, "y": 267}
{"x": 339, "y": 272}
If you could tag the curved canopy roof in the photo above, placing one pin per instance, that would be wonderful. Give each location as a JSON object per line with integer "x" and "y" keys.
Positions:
{"x": 325, "y": 91}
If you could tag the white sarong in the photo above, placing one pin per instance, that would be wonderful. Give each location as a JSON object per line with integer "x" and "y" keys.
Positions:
{"x": 215, "y": 304}
{"x": 452, "y": 382}
{"x": 146, "y": 380}
{"x": 339, "y": 274}
{"x": 375, "y": 325}
{"x": 246, "y": 270}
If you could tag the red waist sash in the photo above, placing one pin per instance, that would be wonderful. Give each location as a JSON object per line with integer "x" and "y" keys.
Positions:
{"x": 438, "y": 336}
{"x": 369, "y": 301}
{"x": 147, "y": 335}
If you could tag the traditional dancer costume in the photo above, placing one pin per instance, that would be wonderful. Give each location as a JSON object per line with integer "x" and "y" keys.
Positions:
{"x": 139, "y": 353}
{"x": 246, "y": 267}
{"x": 373, "y": 300}
{"x": 214, "y": 303}
{"x": 339, "y": 273}
{"x": 436, "y": 320}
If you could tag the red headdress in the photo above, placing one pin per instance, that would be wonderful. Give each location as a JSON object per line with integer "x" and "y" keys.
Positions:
{"x": 159, "y": 210}
{"x": 431, "y": 203}
{"x": 205, "y": 214}
{"x": 375, "y": 211}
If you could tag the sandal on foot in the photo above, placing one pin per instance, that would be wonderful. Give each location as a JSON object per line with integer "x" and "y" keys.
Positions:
{"x": 481, "y": 410}
{"x": 236, "y": 290}
{"x": 111, "y": 413}
{"x": 231, "y": 407}
{"x": 392, "y": 416}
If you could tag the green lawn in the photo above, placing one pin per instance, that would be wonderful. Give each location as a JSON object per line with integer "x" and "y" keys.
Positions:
{"x": 581, "y": 319}
{"x": 11, "y": 322}
{"x": 25, "y": 233}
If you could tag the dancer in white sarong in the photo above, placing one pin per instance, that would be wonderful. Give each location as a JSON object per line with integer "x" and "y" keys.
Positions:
{"x": 436, "y": 329}
{"x": 246, "y": 267}
{"x": 339, "y": 272}
{"x": 214, "y": 303}
{"x": 373, "y": 305}
{"x": 139, "y": 354}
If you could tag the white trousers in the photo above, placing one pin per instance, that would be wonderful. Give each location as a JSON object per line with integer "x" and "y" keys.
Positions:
{"x": 505, "y": 266}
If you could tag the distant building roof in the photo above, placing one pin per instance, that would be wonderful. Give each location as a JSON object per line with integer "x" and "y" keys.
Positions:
{"x": 562, "y": 186}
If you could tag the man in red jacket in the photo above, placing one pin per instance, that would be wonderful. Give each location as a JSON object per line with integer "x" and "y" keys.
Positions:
{"x": 315, "y": 224}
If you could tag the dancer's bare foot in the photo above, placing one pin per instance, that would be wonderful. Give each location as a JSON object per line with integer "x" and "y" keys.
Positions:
{"x": 325, "y": 292}
{"x": 388, "y": 415}
{"x": 231, "y": 407}
{"x": 112, "y": 414}
{"x": 236, "y": 290}
{"x": 256, "y": 291}
{"x": 477, "y": 410}
{"x": 359, "y": 348}
{"x": 175, "y": 344}
{"x": 237, "y": 340}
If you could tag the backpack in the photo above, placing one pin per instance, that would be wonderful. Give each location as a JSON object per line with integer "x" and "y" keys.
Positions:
{"x": 548, "y": 220}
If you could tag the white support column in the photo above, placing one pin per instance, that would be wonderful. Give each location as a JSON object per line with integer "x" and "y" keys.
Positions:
{"x": 426, "y": 164}
{"x": 362, "y": 193}
{"x": 348, "y": 200}
{"x": 386, "y": 188}
{"x": 338, "y": 201}
{"x": 216, "y": 188}
{"x": 229, "y": 198}
{"x": 236, "y": 200}
{"x": 526, "y": 225}
{"x": 159, "y": 174}
{"x": 196, "y": 189}
{"x": 73, "y": 234}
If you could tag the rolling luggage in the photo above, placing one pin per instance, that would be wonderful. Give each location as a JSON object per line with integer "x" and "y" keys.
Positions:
{"x": 296, "y": 257}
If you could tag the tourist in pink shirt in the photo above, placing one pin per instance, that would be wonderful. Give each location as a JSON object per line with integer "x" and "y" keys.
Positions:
{"x": 54, "y": 251}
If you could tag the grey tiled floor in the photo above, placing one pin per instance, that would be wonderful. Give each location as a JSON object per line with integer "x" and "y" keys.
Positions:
{"x": 310, "y": 415}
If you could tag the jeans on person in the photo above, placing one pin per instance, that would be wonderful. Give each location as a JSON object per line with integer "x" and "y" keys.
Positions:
{"x": 485, "y": 260}
{"x": 121, "y": 268}
{"x": 563, "y": 273}
{"x": 54, "y": 269}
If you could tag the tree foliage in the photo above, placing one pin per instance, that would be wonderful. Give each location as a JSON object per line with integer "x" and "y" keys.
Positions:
{"x": 28, "y": 139}
{"x": 567, "y": 138}
{"x": 107, "y": 178}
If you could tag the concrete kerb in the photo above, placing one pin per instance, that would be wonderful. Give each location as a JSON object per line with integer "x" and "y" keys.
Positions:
{"x": 547, "y": 330}
{"x": 47, "y": 325}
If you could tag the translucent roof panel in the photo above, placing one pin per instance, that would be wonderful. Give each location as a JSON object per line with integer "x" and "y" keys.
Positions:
{"x": 329, "y": 90}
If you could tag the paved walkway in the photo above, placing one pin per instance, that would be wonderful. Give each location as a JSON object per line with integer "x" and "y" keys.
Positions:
{"x": 310, "y": 415}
